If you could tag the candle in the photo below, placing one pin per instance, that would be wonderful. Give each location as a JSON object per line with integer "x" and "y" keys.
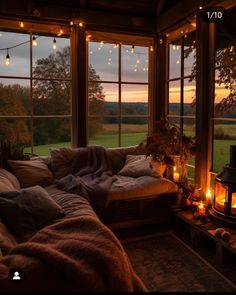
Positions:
{"x": 176, "y": 175}
{"x": 208, "y": 197}
{"x": 201, "y": 208}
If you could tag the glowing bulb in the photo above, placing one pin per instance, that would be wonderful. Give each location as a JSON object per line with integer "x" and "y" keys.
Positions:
{"x": 174, "y": 47}
{"x": 115, "y": 46}
{"x": 135, "y": 70}
{"x": 177, "y": 47}
{"x": 101, "y": 43}
{"x": 132, "y": 50}
{"x": 34, "y": 41}
{"x": 138, "y": 61}
{"x": 200, "y": 7}
{"x": 54, "y": 46}
{"x": 60, "y": 32}
{"x": 151, "y": 48}
{"x": 7, "y": 62}
{"x": 71, "y": 23}
{"x": 177, "y": 61}
{"x": 231, "y": 49}
{"x": 22, "y": 25}
{"x": 81, "y": 24}
{"x": 161, "y": 41}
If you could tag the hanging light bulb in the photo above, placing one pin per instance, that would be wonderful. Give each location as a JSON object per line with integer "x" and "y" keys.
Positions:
{"x": 177, "y": 61}
{"x": 174, "y": 47}
{"x": 132, "y": 50}
{"x": 101, "y": 43}
{"x": 54, "y": 45}
{"x": 22, "y": 24}
{"x": 81, "y": 24}
{"x": 7, "y": 62}
{"x": 151, "y": 48}
{"x": 115, "y": 45}
{"x": 71, "y": 23}
{"x": 138, "y": 61}
{"x": 231, "y": 49}
{"x": 34, "y": 41}
{"x": 177, "y": 47}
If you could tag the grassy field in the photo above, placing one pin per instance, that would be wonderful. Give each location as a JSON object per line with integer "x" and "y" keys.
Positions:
{"x": 134, "y": 134}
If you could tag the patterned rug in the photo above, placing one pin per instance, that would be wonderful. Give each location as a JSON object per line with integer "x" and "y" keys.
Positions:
{"x": 166, "y": 264}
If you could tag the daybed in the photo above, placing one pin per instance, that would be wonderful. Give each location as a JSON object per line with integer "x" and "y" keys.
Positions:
{"x": 57, "y": 238}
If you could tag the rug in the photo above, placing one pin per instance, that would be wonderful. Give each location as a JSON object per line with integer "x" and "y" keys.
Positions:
{"x": 166, "y": 264}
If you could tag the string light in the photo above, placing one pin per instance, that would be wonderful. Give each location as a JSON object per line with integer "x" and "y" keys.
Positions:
{"x": 34, "y": 41}
{"x": 132, "y": 50}
{"x": 174, "y": 47}
{"x": 115, "y": 45}
{"x": 177, "y": 61}
{"x": 151, "y": 48}
{"x": 200, "y": 7}
{"x": 161, "y": 41}
{"x": 81, "y": 24}
{"x": 101, "y": 43}
{"x": 54, "y": 45}
{"x": 7, "y": 62}
{"x": 71, "y": 23}
{"x": 22, "y": 24}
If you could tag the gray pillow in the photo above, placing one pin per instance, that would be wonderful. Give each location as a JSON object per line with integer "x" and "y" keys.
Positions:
{"x": 140, "y": 165}
{"x": 28, "y": 210}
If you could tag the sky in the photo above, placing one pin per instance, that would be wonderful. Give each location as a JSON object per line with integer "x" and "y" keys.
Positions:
{"x": 104, "y": 59}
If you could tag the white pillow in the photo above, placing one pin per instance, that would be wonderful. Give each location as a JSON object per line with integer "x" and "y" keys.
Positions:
{"x": 140, "y": 165}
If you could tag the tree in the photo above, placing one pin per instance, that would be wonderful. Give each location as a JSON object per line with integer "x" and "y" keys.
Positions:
{"x": 52, "y": 97}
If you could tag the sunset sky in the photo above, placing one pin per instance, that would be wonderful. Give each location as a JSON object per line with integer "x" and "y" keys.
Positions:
{"x": 104, "y": 59}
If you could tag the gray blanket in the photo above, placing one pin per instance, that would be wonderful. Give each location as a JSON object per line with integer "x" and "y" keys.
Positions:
{"x": 89, "y": 176}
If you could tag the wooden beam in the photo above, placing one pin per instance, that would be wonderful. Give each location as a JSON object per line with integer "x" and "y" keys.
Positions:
{"x": 79, "y": 87}
{"x": 160, "y": 4}
{"x": 204, "y": 101}
{"x": 180, "y": 11}
{"x": 63, "y": 14}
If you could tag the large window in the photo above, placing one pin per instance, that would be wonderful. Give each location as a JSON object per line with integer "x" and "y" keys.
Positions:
{"x": 35, "y": 91}
{"x": 182, "y": 87}
{"x": 118, "y": 93}
{"x": 224, "y": 120}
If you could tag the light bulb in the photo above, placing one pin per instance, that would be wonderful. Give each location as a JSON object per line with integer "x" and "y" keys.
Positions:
{"x": 138, "y": 61}
{"x": 7, "y": 62}
{"x": 151, "y": 48}
{"x": 60, "y": 32}
{"x": 71, "y": 23}
{"x": 174, "y": 47}
{"x": 54, "y": 46}
{"x": 34, "y": 41}
{"x": 177, "y": 61}
{"x": 81, "y": 24}
{"x": 22, "y": 24}
{"x": 115, "y": 46}
{"x": 161, "y": 41}
{"x": 132, "y": 50}
{"x": 101, "y": 43}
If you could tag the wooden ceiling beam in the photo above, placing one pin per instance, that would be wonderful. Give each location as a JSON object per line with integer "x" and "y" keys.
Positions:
{"x": 160, "y": 5}
{"x": 61, "y": 14}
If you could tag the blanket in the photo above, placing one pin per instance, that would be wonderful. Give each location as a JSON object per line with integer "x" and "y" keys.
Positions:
{"x": 89, "y": 176}
{"x": 73, "y": 255}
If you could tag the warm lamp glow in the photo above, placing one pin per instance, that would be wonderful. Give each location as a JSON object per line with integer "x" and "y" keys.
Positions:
{"x": 7, "y": 62}
{"x": 176, "y": 174}
{"x": 81, "y": 24}
{"x": 54, "y": 46}
{"x": 209, "y": 197}
{"x": 201, "y": 208}
{"x": 151, "y": 48}
{"x": 22, "y": 24}
{"x": 34, "y": 41}
{"x": 132, "y": 50}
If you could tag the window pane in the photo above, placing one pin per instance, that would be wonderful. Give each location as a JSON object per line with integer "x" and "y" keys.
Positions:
{"x": 191, "y": 173}
{"x": 224, "y": 136}
{"x": 174, "y": 97}
{"x": 133, "y": 130}
{"x": 189, "y": 130}
{"x": 175, "y": 121}
{"x": 190, "y": 54}
{"x": 15, "y": 130}
{"x": 134, "y": 64}
{"x": 14, "y": 97}
{"x": 51, "y": 132}
{"x": 189, "y": 97}
{"x": 103, "y": 131}
{"x": 224, "y": 93}
{"x": 48, "y": 62}
{"x": 103, "y": 59}
{"x": 134, "y": 99}
{"x": 19, "y": 56}
{"x": 103, "y": 99}
{"x": 51, "y": 97}
{"x": 174, "y": 59}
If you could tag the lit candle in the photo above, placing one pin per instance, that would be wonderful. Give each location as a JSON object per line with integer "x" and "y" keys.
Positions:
{"x": 208, "y": 197}
{"x": 201, "y": 208}
{"x": 176, "y": 175}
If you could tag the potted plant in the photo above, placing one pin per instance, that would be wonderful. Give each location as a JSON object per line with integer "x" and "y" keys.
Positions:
{"x": 170, "y": 146}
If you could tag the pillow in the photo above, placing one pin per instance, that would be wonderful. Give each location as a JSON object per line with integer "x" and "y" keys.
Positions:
{"x": 8, "y": 181}
{"x": 31, "y": 172}
{"x": 61, "y": 160}
{"x": 28, "y": 210}
{"x": 7, "y": 240}
{"x": 139, "y": 165}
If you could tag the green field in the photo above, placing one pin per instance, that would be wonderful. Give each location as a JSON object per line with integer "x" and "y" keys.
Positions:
{"x": 134, "y": 134}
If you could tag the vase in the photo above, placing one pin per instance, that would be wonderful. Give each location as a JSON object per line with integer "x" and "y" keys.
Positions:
{"x": 178, "y": 172}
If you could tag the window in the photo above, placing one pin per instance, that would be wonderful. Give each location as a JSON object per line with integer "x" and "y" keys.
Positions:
{"x": 182, "y": 87}
{"x": 118, "y": 93}
{"x": 224, "y": 120}
{"x": 35, "y": 87}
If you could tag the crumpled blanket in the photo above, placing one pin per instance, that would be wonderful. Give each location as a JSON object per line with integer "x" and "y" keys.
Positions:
{"x": 74, "y": 255}
{"x": 89, "y": 176}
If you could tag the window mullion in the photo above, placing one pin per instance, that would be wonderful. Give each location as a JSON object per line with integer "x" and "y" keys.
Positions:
{"x": 119, "y": 97}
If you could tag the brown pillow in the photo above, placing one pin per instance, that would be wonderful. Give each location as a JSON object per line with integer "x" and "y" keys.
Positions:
{"x": 61, "y": 160}
{"x": 8, "y": 181}
{"x": 31, "y": 172}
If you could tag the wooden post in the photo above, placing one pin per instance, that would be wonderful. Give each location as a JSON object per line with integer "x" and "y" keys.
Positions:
{"x": 204, "y": 100}
{"x": 79, "y": 87}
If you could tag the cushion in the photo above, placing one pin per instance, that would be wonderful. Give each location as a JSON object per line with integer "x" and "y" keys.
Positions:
{"x": 61, "y": 160}
{"x": 8, "y": 181}
{"x": 31, "y": 172}
{"x": 7, "y": 240}
{"x": 125, "y": 188}
{"x": 140, "y": 165}
{"x": 28, "y": 210}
